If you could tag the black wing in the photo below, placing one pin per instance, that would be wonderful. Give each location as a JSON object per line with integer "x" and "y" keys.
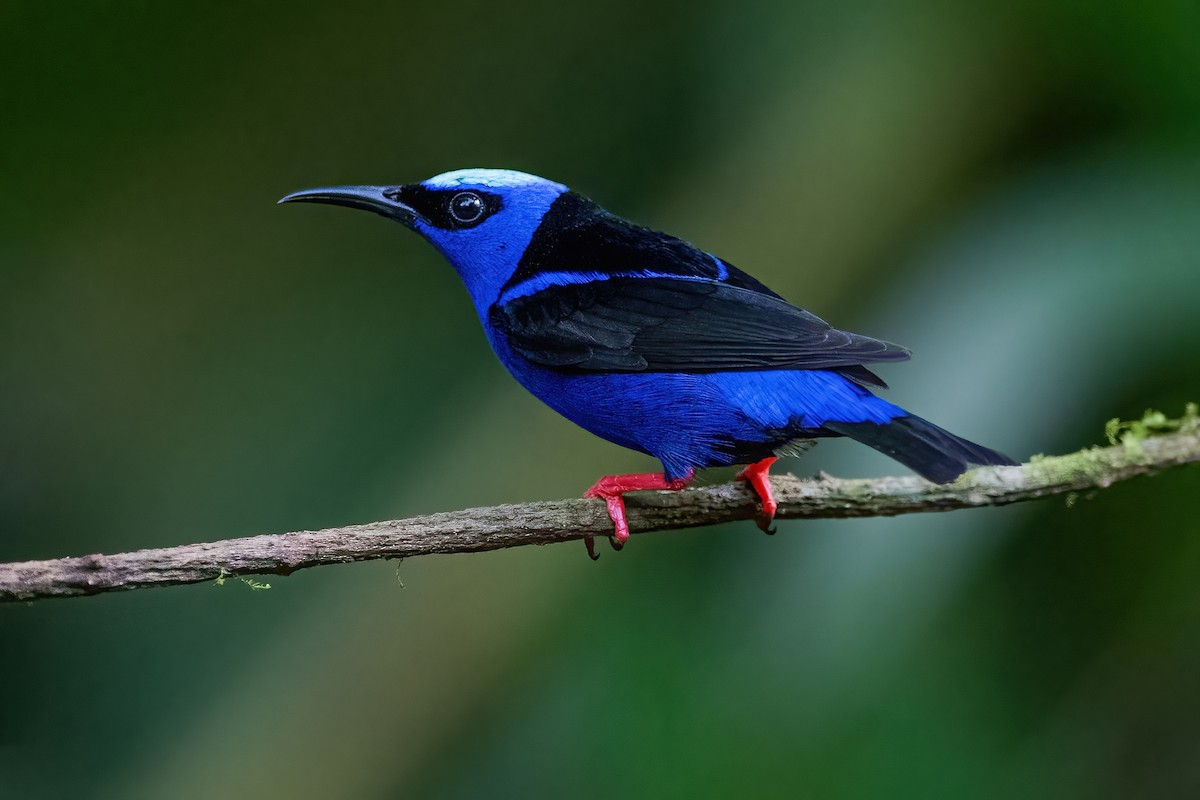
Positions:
{"x": 625, "y": 324}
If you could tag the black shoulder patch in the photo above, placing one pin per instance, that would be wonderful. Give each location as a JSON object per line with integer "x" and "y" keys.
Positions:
{"x": 576, "y": 235}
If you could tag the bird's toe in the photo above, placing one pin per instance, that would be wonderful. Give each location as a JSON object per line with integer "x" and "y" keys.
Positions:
{"x": 756, "y": 475}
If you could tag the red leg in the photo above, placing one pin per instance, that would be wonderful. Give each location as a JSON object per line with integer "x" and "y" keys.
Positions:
{"x": 756, "y": 476}
{"x": 612, "y": 489}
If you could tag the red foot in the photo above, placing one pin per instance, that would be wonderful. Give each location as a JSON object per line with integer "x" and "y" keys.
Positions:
{"x": 756, "y": 476}
{"x": 612, "y": 489}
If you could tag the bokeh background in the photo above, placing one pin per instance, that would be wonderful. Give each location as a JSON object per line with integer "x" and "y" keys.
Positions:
{"x": 1012, "y": 189}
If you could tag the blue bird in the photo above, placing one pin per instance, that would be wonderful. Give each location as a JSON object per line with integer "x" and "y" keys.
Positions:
{"x": 650, "y": 342}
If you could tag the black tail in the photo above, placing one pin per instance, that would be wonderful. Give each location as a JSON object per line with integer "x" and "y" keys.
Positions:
{"x": 930, "y": 451}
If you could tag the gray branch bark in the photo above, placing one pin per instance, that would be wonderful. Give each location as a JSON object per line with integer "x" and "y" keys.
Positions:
{"x": 478, "y": 529}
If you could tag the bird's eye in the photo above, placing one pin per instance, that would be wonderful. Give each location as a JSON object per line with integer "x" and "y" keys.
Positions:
{"x": 466, "y": 207}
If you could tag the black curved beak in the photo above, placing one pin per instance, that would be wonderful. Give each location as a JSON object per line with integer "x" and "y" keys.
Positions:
{"x": 380, "y": 199}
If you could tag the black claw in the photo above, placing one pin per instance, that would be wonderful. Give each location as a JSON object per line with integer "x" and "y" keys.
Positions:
{"x": 590, "y": 544}
{"x": 615, "y": 544}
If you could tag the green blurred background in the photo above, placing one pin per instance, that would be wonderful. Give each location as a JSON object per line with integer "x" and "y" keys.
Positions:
{"x": 1010, "y": 189}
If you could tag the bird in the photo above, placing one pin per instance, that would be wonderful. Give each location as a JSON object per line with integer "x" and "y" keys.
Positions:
{"x": 652, "y": 343}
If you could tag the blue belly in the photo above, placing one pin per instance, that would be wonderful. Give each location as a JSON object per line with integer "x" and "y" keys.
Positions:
{"x": 695, "y": 421}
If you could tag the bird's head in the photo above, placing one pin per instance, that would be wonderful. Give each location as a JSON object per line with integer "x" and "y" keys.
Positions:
{"x": 481, "y": 220}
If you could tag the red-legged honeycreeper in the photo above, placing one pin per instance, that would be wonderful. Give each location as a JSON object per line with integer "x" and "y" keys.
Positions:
{"x": 650, "y": 342}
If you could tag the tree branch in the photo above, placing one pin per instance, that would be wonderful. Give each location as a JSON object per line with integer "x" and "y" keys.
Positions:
{"x": 478, "y": 529}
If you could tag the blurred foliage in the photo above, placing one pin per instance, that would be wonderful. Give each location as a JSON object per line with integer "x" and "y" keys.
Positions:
{"x": 1010, "y": 188}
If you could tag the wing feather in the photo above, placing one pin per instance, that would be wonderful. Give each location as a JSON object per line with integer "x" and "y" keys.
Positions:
{"x": 670, "y": 324}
